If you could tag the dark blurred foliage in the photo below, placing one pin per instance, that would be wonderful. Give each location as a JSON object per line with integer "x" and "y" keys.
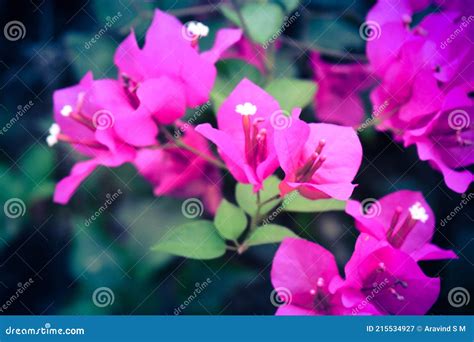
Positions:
{"x": 68, "y": 260}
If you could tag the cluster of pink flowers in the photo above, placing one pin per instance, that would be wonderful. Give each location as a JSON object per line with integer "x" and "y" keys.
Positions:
{"x": 427, "y": 81}
{"x": 424, "y": 75}
{"x": 319, "y": 160}
{"x": 113, "y": 122}
{"x": 119, "y": 121}
{"x": 381, "y": 278}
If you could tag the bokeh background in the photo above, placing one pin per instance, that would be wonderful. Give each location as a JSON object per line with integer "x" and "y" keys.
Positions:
{"x": 68, "y": 259}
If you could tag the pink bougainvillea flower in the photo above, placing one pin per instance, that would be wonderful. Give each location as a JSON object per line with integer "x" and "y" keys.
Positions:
{"x": 252, "y": 53}
{"x": 244, "y": 139}
{"x": 177, "y": 172}
{"x": 339, "y": 87}
{"x": 87, "y": 117}
{"x": 301, "y": 275}
{"x": 402, "y": 219}
{"x": 390, "y": 22}
{"x": 409, "y": 88}
{"x": 171, "y": 65}
{"x": 388, "y": 280}
{"x": 319, "y": 160}
{"x": 447, "y": 140}
{"x": 249, "y": 52}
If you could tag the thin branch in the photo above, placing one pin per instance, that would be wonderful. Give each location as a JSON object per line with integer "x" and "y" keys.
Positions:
{"x": 329, "y": 52}
{"x": 180, "y": 143}
{"x": 195, "y": 10}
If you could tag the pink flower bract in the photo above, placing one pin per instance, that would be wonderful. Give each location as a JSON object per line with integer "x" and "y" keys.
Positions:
{"x": 304, "y": 270}
{"x": 174, "y": 66}
{"x": 403, "y": 220}
{"x": 89, "y": 116}
{"x": 245, "y": 135}
{"x": 319, "y": 160}
{"x": 389, "y": 281}
{"x": 174, "y": 171}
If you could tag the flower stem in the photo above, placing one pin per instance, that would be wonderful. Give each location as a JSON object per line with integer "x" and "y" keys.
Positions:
{"x": 271, "y": 199}
{"x": 330, "y": 52}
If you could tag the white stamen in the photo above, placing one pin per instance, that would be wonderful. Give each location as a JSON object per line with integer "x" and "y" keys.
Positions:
{"x": 198, "y": 29}
{"x": 66, "y": 110}
{"x": 246, "y": 109}
{"x": 52, "y": 138}
{"x": 312, "y": 292}
{"x": 320, "y": 282}
{"x": 54, "y": 129}
{"x": 418, "y": 213}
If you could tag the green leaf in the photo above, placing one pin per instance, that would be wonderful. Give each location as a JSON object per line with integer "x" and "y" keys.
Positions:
{"x": 292, "y": 92}
{"x": 229, "y": 13}
{"x": 196, "y": 240}
{"x": 297, "y": 203}
{"x": 263, "y": 20}
{"x": 229, "y": 73}
{"x": 230, "y": 220}
{"x": 289, "y": 5}
{"x": 247, "y": 199}
{"x": 270, "y": 233}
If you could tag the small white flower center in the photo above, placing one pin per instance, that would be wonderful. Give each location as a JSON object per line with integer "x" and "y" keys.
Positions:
{"x": 320, "y": 282}
{"x": 418, "y": 213}
{"x": 246, "y": 108}
{"x": 198, "y": 29}
{"x": 66, "y": 110}
{"x": 52, "y": 138}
